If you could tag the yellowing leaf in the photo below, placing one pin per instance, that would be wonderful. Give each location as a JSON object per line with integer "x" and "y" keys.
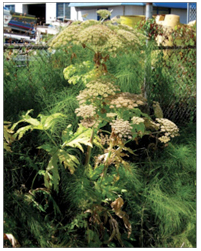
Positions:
{"x": 53, "y": 169}
{"x": 8, "y": 136}
{"x": 69, "y": 161}
{"x": 21, "y": 131}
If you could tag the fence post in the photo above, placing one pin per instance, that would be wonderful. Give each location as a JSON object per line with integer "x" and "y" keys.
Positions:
{"x": 149, "y": 10}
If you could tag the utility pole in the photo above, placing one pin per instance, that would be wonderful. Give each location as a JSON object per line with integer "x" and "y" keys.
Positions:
{"x": 149, "y": 11}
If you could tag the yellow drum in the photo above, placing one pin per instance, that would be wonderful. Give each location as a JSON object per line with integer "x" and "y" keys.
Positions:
{"x": 131, "y": 20}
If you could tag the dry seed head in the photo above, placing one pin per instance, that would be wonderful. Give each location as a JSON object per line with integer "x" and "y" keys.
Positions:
{"x": 104, "y": 139}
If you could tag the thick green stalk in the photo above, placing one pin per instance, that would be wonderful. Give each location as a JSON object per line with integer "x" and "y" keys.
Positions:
{"x": 50, "y": 138}
{"x": 88, "y": 153}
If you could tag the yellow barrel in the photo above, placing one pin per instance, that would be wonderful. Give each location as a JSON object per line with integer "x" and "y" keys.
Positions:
{"x": 131, "y": 20}
{"x": 169, "y": 22}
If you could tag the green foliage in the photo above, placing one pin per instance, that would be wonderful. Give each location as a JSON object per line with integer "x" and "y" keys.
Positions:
{"x": 79, "y": 72}
{"x": 8, "y": 137}
{"x": 150, "y": 28}
{"x": 102, "y": 172}
{"x": 175, "y": 71}
{"x": 57, "y": 152}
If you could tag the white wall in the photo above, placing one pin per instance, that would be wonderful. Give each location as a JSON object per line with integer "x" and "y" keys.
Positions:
{"x": 181, "y": 13}
{"x": 73, "y": 13}
{"x": 134, "y": 10}
{"x": 18, "y": 6}
{"x": 117, "y": 10}
{"x": 91, "y": 13}
{"x": 76, "y": 13}
{"x": 51, "y": 9}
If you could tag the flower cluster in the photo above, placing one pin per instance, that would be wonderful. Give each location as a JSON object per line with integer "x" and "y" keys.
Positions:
{"x": 68, "y": 35}
{"x": 169, "y": 128}
{"x": 103, "y": 38}
{"x": 122, "y": 128}
{"x": 111, "y": 114}
{"x": 88, "y": 23}
{"x": 128, "y": 36}
{"x": 95, "y": 35}
{"x": 97, "y": 90}
{"x": 126, "y": 100}
{"x": 137, "y": 120}
{"x": 86, "y": 111}
{"x": 104, "y": 13}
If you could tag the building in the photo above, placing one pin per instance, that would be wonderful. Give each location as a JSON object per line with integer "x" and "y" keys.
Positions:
{"x": 132, "y": 8}
{"x": 48, "y": 12}
{"x": 44, "y": 11}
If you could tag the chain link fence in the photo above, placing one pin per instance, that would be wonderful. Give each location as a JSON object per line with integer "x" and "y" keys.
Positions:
{"x": 173, "y": 83}
{"x": 32, "y": 74}
{"x": 191, "y": 12}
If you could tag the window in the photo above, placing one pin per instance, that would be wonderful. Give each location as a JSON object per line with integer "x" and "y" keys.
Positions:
{"x": 11, "y": 7}
{"x": 161, "y": 11}
{"x": 98, "y": 17}
{"x": 63, "y": 11}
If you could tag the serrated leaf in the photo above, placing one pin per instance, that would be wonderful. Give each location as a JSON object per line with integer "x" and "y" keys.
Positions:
{"x": 8, "y": 136}
{"x": 21, "y": 131}
{"x": 48, "y": 148}
{"x": 69, "y": 161}
{"x": 82, "y": 136}
{"x": 48, "y": 121}
{"x": 7, "y": 147}
{"x": 95, "y": 174}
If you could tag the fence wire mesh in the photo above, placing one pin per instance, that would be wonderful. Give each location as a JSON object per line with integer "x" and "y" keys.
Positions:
{"x": 192, "y": 12}
{"x": 173, "y": 83}
{"x": 31, "y": 73}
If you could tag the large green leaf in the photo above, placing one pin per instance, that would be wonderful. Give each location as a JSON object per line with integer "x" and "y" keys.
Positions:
{"x": 82, "y": 136}
{"x": 48, "y": 121}
{"x": 45, "y": 123}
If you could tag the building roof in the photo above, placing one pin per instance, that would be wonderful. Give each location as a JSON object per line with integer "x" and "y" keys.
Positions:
{"x": 177, "y": 5}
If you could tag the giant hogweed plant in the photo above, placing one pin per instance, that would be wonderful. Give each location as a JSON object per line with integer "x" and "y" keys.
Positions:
{"x": 110, "y": 119}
